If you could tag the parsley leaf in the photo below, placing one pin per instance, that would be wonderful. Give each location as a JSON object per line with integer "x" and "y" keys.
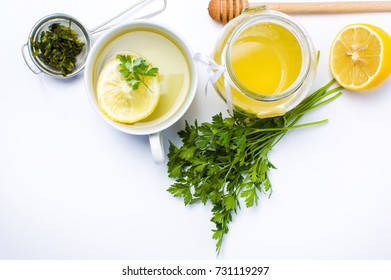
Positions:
{"x": 226, "y": 161}
{"x": 135, "y": 69}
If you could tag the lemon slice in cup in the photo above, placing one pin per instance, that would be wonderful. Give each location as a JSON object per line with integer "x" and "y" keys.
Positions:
{"x": 360, "y": 57}
{"x": 119, "y": 102}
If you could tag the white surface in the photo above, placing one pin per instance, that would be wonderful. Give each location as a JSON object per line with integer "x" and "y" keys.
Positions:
{"x": 72, "y": 187}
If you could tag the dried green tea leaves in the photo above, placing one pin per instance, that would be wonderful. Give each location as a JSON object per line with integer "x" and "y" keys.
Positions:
{"x": 58, "y": 47}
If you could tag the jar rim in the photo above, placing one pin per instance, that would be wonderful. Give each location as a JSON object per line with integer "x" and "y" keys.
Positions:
{"x": 299, "y": 34}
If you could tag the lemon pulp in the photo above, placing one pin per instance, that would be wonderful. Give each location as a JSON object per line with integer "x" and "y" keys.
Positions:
{"x": 119, "y": 101}
{"x": 360, "y": 57}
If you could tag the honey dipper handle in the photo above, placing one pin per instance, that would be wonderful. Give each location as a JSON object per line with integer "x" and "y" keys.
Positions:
{"x": 329, "y": 7}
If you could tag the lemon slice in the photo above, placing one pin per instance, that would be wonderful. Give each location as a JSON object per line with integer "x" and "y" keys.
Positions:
{"x": 119, "y": 101}
{"x": 360, "y": 57}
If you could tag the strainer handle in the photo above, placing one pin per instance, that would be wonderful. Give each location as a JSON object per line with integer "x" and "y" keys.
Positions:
{"x": 27, "y": 62}
{"x": 104, "y": 25}
{"x": 155, "y": 13}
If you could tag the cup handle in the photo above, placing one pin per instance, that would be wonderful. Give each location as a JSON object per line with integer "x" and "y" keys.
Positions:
{"x": 157, "y": 148}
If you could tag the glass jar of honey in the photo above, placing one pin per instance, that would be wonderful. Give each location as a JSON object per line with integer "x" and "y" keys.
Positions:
{"x": 269, "y": 62}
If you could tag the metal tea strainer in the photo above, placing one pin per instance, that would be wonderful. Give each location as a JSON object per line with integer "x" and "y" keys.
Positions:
{"x": 83, "y": 33}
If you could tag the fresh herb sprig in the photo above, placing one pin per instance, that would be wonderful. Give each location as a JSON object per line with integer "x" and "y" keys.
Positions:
{"x": 226, "y": 161}
{"x": 58, "y": 47}
{"x": 135, "y": 70}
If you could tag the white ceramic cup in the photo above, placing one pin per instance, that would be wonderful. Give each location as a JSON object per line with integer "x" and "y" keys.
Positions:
{"x": 156, "y": 42}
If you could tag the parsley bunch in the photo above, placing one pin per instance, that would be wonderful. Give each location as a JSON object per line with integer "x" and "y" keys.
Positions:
{"x": 135, "y": 70}
{"x": 226, "y": 161}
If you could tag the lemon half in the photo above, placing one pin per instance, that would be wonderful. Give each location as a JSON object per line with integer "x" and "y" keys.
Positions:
{"x": 360, "y": 57}
{"x": 119, "y": 101}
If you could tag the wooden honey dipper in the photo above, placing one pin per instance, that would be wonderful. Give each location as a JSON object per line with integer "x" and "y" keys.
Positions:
{"x": 225, "y": 10}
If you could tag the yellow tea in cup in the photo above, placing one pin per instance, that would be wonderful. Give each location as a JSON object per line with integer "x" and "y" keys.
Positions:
{"x": 165, "y": 49}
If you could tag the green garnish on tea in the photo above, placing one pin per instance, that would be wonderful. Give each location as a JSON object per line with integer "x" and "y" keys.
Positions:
{"x": 226, "y": 161}
{"x": 59, "y": 47}
{"x": 135, "y": 70}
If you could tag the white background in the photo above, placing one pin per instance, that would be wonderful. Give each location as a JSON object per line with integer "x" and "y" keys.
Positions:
{"x": 71, "y": 187}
